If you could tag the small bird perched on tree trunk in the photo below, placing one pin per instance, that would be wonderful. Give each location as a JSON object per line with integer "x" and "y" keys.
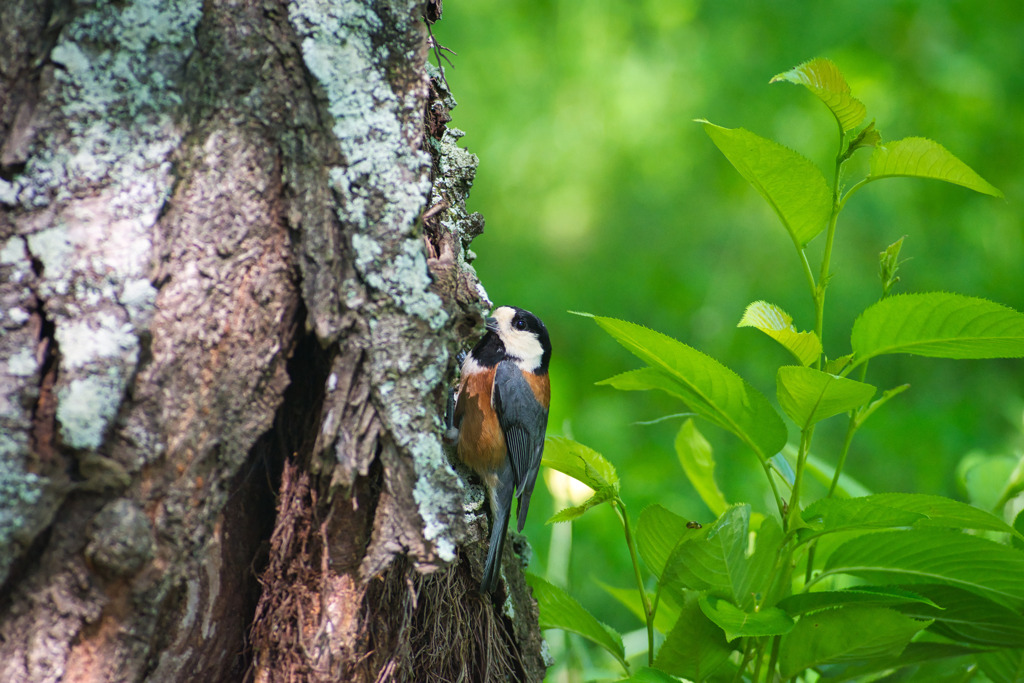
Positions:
{"x": 502, "y": 414}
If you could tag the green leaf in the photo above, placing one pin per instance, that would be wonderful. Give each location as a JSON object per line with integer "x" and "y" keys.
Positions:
{"x": 923, "y": 158}
{"x": 845, "y": 634}
{"x": 809, "y": 396}
{"x": 558, "y": 609}
{"x": 710, "y": 389}
{"x": 1003, "y": 666}
{"x": 803, "y": 603}
{"x": 868, "y": 137}
{"x": 829, "y": 515}
{"x": 695, "y": 647}
{"x": 649, "y": 675}
{"x": 581, "y": 463}
{"x": 968, "y": 618}
{"x": 931, "y": 662}
{"x": 939, "y": 511}
{"x": 736, "y": 623}
{"x": 698, "y": 462}
{"x": 933, "y": 556}
{"x": 991, "y": 480}
{"x": 836, "y": 365}
{"x": 658, "y": 531}
{"x": 1018, "y": 526}
{"x": 939, "y": 325}
{"x": 762, "y": 560}
{"x": 777, "y": 324}
{"x": 718, "y": 561}
{"x": 570, "y": 513}
{"x": 791, "y": 184}
{"x": 664, "y": 618}
{"x": 889, "y": 265}
{"x": 824, "y": 79}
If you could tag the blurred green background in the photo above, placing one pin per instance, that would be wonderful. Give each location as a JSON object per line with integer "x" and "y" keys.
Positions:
{"x": 602, "y": 195}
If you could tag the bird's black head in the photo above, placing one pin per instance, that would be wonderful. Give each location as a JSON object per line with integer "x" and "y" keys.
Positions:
{"x": 515, "y": 334}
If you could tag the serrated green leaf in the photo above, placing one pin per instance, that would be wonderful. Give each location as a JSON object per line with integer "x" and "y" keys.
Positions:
{"x": 939, "y": 325}
{"x": 658, "y": 531}
{"x": 558, "y": 609}
{"x": 580, "y": 462}
{"x": 698, "y": 462}
{"x": 968, "y": 618}
{"x": 823, "y": 78}
{"x": 804, "y": 603}
{"x": 718, "y": 561}
{"x": 791, "y": 184}
{"x": 710, "y": 389}
{"x": 924, "y": 158}
{"x": 736, "y": 623}
{"x": 933, "y": 556}
{"x": 809, "y": 396}
{"x": 845, "y": 634}
{"x": 777, "y": 324}
{"x": 695, "y": 647}
{"x": 570, "y": 513}
{"x": 939, "y": 511}
{"x": 828, "y": 515}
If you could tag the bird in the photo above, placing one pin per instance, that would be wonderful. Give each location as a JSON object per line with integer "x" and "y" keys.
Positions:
{"x": 501, "y": 415}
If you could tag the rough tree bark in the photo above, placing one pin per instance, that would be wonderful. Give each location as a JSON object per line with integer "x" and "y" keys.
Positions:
{"x": 233, "y": 278}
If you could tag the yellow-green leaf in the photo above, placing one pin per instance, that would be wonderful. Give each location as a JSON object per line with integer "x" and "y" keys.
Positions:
{"x": 789, "y": 182}
{"x": 778, "y": 325}
{"x": 823, "y": 78}
{"x": 809, "y": 396}
{"x": 710, "y": 389}
{"x": 698, "y": 462}
{"x": 938, "y": 325}
{"x": 924, "y": 158}
{"x": 581, "y": 463}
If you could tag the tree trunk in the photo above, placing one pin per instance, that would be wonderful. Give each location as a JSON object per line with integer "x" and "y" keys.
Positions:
{"x": 233, "y": 279}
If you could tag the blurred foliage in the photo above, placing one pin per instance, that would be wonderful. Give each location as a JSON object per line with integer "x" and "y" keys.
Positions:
{"x": 602, "y": 195}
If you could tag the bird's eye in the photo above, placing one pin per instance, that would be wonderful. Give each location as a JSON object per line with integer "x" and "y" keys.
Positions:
{"x": 519, "y": 324}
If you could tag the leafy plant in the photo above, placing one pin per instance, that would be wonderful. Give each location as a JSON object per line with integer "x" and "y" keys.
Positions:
{"x": 848, "y": 586}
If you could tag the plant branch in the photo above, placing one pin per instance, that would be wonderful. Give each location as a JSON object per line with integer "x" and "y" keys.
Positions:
{"x": 620, "y": 508}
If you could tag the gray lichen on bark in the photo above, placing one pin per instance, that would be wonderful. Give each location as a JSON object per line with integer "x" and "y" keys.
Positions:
{"x": 382, "y": 183}
{"x": 96, "y": 151}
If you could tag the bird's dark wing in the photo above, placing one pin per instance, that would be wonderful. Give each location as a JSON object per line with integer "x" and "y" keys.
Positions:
{"x": 523, "y": 420}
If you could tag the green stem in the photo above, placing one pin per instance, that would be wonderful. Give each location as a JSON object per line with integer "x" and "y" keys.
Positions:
{"x": 773, "y": 662}
{"x": 830, "y": 237}
{"x": 620, "y": 507}
{"x": 794, "y": 497}
{"x": 775, "y": 489}
{"x": 851, "y": 429}
{"x": 853, "y": 189}
{"x": 758, "y": 661}
{"x": 748, "y": 646}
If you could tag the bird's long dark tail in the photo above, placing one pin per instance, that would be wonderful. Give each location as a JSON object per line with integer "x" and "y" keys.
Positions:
{"x": 501, "y": 506}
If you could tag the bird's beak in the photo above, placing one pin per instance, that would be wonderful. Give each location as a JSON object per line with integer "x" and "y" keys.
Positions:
{"x": 491, "y": 324}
